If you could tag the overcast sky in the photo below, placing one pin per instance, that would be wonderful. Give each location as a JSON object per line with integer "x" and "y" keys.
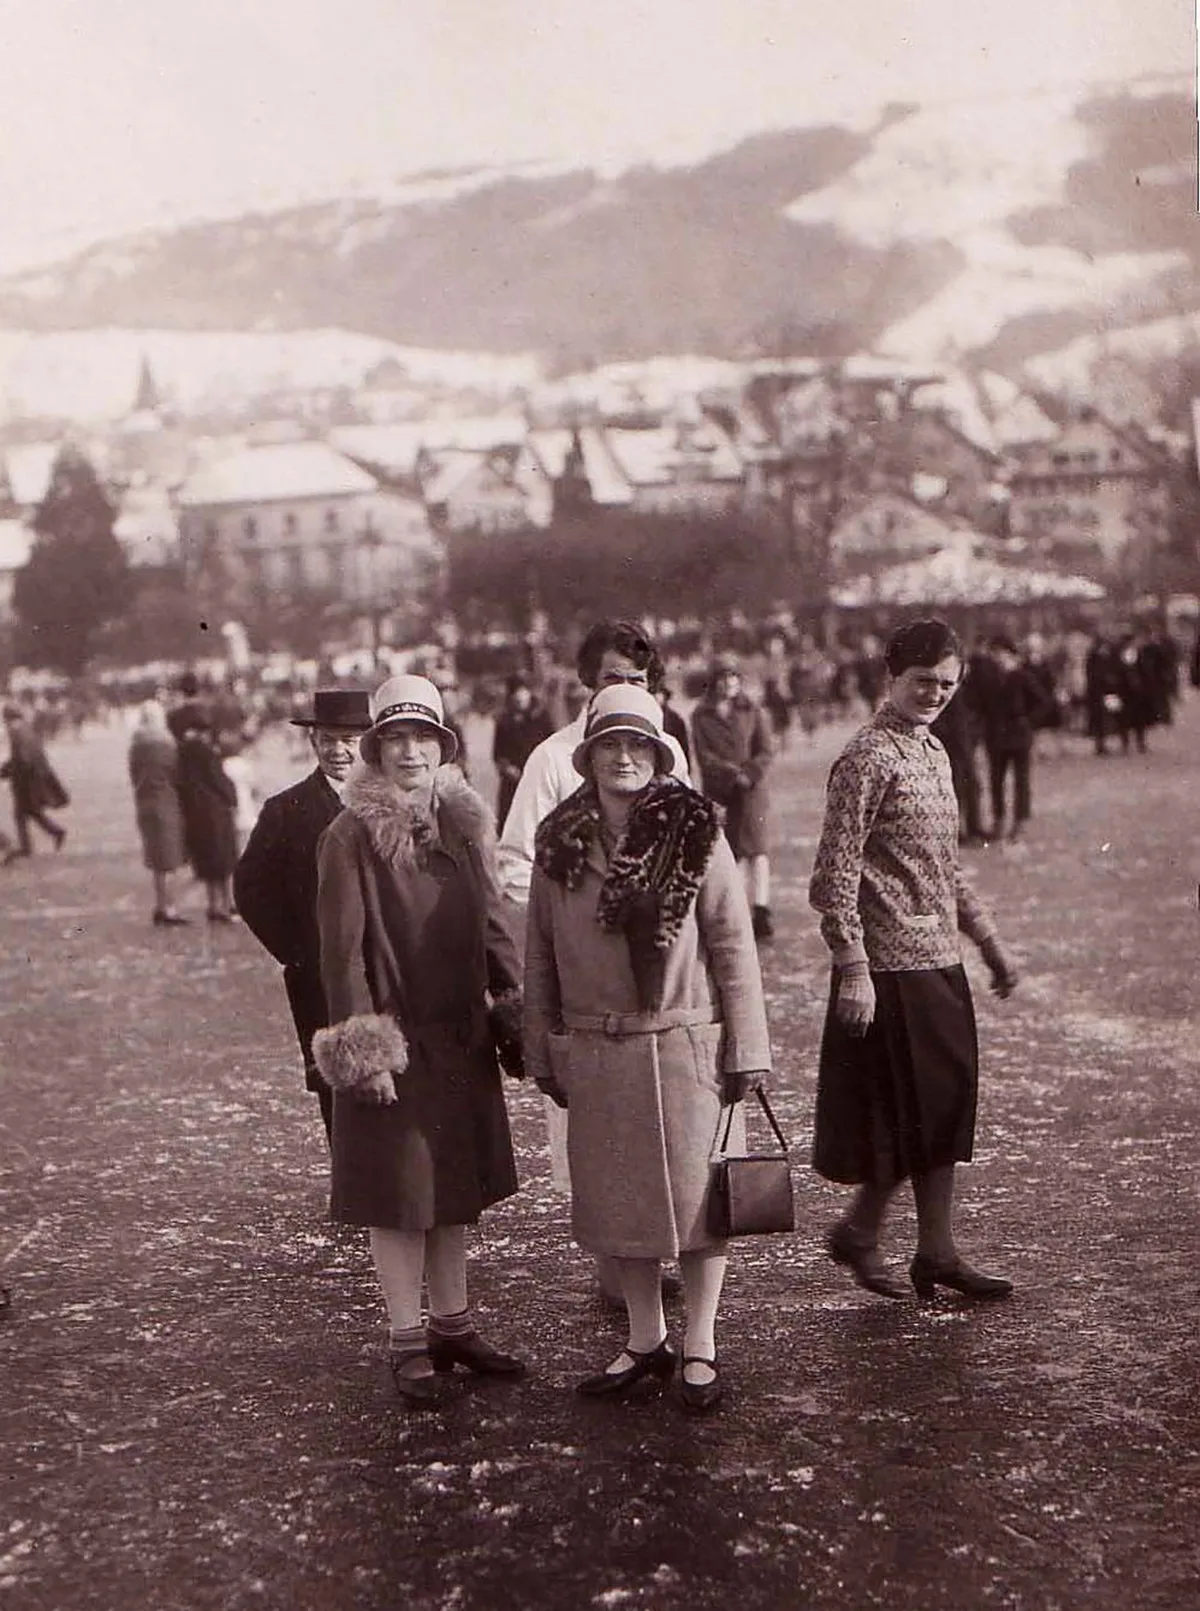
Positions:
{"x": 116, "y": 113}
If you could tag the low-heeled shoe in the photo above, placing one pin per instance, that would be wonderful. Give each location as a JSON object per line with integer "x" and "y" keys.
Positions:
{"x": 863, "y": 1263}
{"x": 699, "y": 1397}
{"x": 928, "y": 1274}
{"x": 474, "y": 1354}
{"x": 422, "y": 1392}
{"x": 658, "y": 1364}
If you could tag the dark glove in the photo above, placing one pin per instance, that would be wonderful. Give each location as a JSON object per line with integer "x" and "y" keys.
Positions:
{"x": 551, "y": 1088}
{"x": 504, "y": 1021}
{"x": 1005, "y": 977}
{"x": 737, "y": 1083}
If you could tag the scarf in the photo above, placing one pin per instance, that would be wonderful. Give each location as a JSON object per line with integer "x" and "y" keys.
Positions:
{"x": 653, "y": 874}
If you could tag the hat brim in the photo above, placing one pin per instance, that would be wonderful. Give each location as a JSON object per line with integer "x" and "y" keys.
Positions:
{"x": 664, "y": 755}
{"x": 368, "y": 744}
{"x": 339, "y": 727}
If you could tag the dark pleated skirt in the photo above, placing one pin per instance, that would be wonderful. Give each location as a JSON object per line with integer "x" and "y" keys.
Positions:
{"x": 900, "y": 1100}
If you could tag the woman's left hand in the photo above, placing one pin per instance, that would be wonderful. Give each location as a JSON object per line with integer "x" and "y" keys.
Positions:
{"x": 738, "y": 1082}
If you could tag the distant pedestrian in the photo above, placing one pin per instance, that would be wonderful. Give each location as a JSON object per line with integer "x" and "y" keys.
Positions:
{"x": 36, "y": 787}
{"x": 734, "y": 749}
{"x": 154, "y": 774}
{"x": 521, "y": 726}
{"x": 275, "y": 881}
{"x": 413, "y": 944}
{"x": 1012, "y": 704}
{"x": 897, "y": 1081}
{"x": 240, "y": 770}
{"x": 208, "y": 799}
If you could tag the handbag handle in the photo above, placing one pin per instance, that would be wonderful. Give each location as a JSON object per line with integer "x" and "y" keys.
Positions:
{"x": 770, "y": 1117}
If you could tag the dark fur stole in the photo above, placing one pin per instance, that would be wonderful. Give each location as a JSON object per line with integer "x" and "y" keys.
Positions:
{"x": 653, "y": 874}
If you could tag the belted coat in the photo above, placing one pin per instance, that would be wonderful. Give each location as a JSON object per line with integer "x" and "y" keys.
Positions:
{"x": 643, "y": 1088}
{"x": 412, "y": 928}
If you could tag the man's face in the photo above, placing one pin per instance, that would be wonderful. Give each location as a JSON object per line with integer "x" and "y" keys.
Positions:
{"x": 616, "y": 668}
{"x": 336, "y": 749}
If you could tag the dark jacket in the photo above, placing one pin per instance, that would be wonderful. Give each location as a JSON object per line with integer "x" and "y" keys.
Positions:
{"x": 1012, "y": 706}
{"x": 35, "y": 784}
{"x": 275, "y": 888}
{"x": 208, "y": 800}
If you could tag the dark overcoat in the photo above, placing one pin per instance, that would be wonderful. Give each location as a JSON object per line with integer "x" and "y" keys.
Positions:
{"x": 412, "y": 926}
{"x": 733, "y": 754}
{"x": 208, "y": 799}
{"x": 35, "y": 784}
{"x": 275, "y": 888}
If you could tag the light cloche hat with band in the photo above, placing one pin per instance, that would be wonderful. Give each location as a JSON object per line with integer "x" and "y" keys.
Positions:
{"x": 406, "y": 698}
{"x": 624, "y": 708}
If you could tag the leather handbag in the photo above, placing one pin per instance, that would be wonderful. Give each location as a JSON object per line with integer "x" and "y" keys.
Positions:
{"x": 751, "y": 1194}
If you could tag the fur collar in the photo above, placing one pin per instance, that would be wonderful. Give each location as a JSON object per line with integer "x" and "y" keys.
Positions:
{"x": 401, "y": 831}
{"x": 653, "y": 875}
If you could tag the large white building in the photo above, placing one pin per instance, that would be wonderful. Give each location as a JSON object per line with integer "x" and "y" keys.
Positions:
{"x": 269, "y": 521}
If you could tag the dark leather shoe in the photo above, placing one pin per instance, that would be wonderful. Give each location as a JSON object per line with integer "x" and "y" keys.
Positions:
{"x": 420, "y": 1392}
{"x": 474, "y": 1353}
{"x": 699, "y": 1397}
{"x": 927, "y": 1275}
{"x": 170, "y": 920}
{"x": 862, "y": 1261}
{"x": 659, "y": 1364}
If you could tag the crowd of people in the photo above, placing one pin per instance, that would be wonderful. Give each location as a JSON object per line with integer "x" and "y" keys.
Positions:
{"x": 597, "y": 928}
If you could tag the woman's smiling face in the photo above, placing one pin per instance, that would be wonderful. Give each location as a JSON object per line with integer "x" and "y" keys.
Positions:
{"x": 922, "y": 692}
{"x": 409, "y": 755}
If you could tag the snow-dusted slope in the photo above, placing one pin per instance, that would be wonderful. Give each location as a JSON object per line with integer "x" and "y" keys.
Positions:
{"x": 963, "y": 172}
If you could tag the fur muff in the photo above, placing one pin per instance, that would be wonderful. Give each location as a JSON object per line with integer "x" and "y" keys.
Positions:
{"x": 505, "y": 1022}
{"x": 397, "y": 825}
{"x": 360, "y": 1056}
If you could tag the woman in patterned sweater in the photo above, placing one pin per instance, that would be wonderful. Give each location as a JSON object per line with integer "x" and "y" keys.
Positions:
{"x": 896, "y": 1091}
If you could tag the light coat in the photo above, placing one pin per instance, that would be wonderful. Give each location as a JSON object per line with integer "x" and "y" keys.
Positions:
{"x": 411, "y": 927}
{"x": 644, "y": 1093}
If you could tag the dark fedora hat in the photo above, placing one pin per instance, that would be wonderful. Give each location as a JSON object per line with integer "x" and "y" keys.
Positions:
{"x": 338, "y": 707}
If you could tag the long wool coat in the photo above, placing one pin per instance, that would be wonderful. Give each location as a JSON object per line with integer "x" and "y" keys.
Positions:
{"x": 412, "y": 927}
{"x": 643, "y": 1090}
{"x": 733, "y": 756}
{"x": 275, "y": 886}
{"x": 208, "y": 799}
{"x": 154, "y": 774}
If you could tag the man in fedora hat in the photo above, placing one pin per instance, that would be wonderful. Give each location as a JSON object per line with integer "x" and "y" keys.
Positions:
{"x": 275, "y": 883}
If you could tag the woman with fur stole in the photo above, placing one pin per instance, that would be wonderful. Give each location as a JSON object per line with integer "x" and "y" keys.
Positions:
{"x": 644, "y": 1019}
{"x": 413, "y": 945}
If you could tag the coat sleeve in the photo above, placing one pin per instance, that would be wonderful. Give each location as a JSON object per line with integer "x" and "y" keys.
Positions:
{"x": 503, "y": 960}
{"x": 543, "y": 999}
{"x": 761, "y": 747}
{"x": 727, "y": 936}
{"x": 341, "y": 920}
{"x": 262, "y": 887}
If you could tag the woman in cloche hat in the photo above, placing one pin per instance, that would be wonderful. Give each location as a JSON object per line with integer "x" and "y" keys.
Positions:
{"x": 414, "y": 945}
{"x": 644, "y": 1015}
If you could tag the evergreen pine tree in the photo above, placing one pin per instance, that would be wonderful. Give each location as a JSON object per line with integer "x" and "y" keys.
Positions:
{"x": 76, "y": 579}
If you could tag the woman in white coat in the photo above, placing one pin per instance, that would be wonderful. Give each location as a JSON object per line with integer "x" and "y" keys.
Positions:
{"x": 644, "y": 1016}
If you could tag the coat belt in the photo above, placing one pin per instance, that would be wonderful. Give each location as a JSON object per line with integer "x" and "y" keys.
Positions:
{"x": 641, "y": 1023}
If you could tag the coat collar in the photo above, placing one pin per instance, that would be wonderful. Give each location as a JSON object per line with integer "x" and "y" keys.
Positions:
{"x": 402, "y": 832}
